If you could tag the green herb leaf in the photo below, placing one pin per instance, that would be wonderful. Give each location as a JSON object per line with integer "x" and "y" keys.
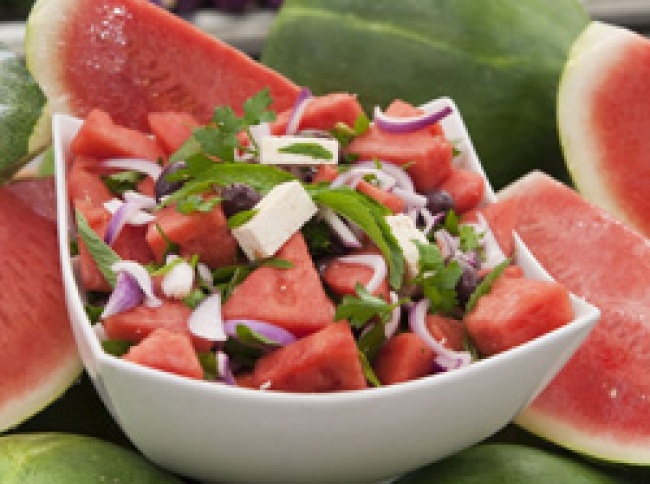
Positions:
{"x": 369, "y": 216}
{"x": 196, "y": 203}
{"x": 116, "y": 347}
{"x": 101, "y": 253}
{"x": 371, "y": 341}
{"x": 275, "y": 262}
{"x": 451, "y": 223}
{"x": 313, "y": 150}
{"x": 368, "y": 372}
{"x": 240, "y": 218}
{"x": 469, "y": 238}
{"x": 437, "y": 280}
{"x": 209, "y": 364}
{"x": 344, "y": 133}
{"x": 170, "y": 247}
{"x": 120, "y": 182}
{"x": 253, "y": 338}
{"x": 194, "y": 298}
{"x": 93, "y": 312}
{"x": 485, "y": 286}
{"x": 359, "y": 309}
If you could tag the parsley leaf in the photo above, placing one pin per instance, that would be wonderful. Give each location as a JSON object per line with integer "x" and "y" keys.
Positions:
{"x": 469, "y": 238}
{"x": 485, "y": 286}
{"x": 314, "y": 150}
{"x": 437, "y": 279}
{"x": 359, "y": 309}
{"x": 101, "y": 253}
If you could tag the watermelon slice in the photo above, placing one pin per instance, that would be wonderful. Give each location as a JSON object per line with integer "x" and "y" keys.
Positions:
{"x": 130, "y": 57}
{"x": 604, "y": 120}
{"x": 599, "y": 404}
{"x": 39, "y": 358}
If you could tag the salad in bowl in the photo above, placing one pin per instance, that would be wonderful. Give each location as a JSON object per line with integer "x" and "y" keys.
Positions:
{"x": 303, "y": 286}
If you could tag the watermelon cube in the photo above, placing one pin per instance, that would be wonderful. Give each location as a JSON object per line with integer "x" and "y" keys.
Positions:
{"x": 404, "y": 357}
{"x": 167, "y": 351}
{"x": 326, "y": 361}
{"x": 515, "y": 311}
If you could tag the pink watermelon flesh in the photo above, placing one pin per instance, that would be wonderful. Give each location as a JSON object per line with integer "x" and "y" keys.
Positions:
{"x": 621, "y": 119}
{"x": 39, "y": 358}
{"x": 130, "y": 58}
{"x": 599, "y": 404}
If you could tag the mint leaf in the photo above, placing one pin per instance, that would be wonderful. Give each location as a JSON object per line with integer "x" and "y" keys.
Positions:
{"x": 313, "y": 150}
{"x": 485, "y": 286}
{"x": 101, "y": 253}
{"x": 240, "y": 218}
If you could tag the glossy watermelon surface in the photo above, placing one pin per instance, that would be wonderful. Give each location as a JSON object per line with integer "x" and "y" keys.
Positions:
{"x": 599, "y": 404}
{"x": 130, "y": 58}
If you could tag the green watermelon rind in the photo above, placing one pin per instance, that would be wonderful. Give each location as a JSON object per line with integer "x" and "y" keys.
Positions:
{"x": 595, "y": 51}
{"x": 503, "y": 79}
{"x": 22, "y": 120}
{"x": 64, "y": 458}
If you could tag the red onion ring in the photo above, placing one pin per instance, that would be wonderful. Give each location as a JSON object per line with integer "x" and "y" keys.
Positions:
{"x": 298, "y": 110}
{"x": 430, "y": 220}
{"x": 493, "y": 255}
{"x": 402, "y": 179}
{"x": 147, "y": 202}
{"x": 206, "y": 321}
{"x": 205, "y": 274}
{"x": 140, "y": 274}
{"x": 392, "y": 124}
{"x": 447, "y": 359}
{"x": 390, "y": 328}
{"x": 143, "y": 166}
{"x": 448, "y": 244}
{"x": 342, "y": 231}
{"x": 128, "y": 212}
{"x": 223, "y": 369}
{"x": 270, "y": 331}
{"x": 411, "y": 199}
{"x": 375, "y": 261}
{"x": 126, "y": 294}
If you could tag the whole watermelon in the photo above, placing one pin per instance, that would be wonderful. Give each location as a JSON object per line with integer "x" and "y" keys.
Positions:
{"x": 500, "y": 60}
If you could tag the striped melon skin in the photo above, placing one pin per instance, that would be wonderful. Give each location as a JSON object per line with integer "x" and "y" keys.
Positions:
{"x": 499, "y": 60}
{"x": 21, "y": 108}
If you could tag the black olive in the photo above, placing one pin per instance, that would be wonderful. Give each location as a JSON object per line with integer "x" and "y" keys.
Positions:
{"x": 439, "y": 201}
{"x": 467, "y": 284}
{"x": 237, "y": 198}
{"x": 164, "y": 187}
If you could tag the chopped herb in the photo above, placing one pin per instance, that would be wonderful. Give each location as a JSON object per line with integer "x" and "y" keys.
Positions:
{"x": 318, "y": 237}
{"x": 241, "y": 353}
{"x": 93, "y": 312}
{"x": 253, "y": 338}
{"x": 360, "y": 309}
{"x": 240, "y": 218}
{"x": 451, "y": 223}
{"x": 170, "y": 247}
{"x": 74, "y": 248}
{"x": 101, "y": 253}
{"x": 116, "y": 347}
{"x": 371, "y": 341}
{"x": 196, "y": 203}
{"x": 162, "y": 270}
{"x": 313, "y": 150}
{"x": 194, "y": 298}
{"x": 485, "y": 286}
{"x": 437, "y": 279}
{"x": 469, "y": 238}
{"x": 123, "y": 181}
{"x": 368, "y": 371}
{"x": 344, "y": 133}
{"x": 209, "y": 364}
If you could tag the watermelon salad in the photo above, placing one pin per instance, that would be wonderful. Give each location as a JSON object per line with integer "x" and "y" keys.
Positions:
{"x": 308, "y": 251}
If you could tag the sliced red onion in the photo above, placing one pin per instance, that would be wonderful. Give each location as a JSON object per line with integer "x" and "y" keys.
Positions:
{"x": 339, "y": 227}
{"x": 143, "y": 166}
{"x": 430, "y": 220}
{"x": 390, "y": 328}
{"x": 126, "y": 294}
{"x": 447, "y": 243}
{"x": 400, "y": 176}
{"x": 445, "y": 358}
{"x": 270, "y": 331}
{"x": 205, "y": 274}
{"x": 375, "y": 261}
{"x": 493, "y": 255}
{"x": 298, "y": 110}
{"x": 147, "y": 202}
{"x": 224, "y": 370}
{"x": 206, "y": 321}
{"x": 128, "y": 212}
{"x": 140, "y": 274}
{"x": 411, "y": 199}
{"x": 178, "y": 282}
{"x": 392, "y": 124}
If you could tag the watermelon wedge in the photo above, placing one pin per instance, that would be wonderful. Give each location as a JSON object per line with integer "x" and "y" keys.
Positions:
{"x": 599, "y": 403}
{"x": 130, "y": 58}
{"x": 604, "y": 121}
{"x": 39, "y": 358}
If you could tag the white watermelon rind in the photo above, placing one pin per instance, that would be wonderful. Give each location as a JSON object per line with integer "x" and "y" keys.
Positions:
{"x": 52, "y": 386}
{"x": 600, "y": 445}
{"x": 597, "y": 50}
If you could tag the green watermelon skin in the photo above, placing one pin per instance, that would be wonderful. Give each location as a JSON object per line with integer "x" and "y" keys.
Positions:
{"x": 499, "y": 60}
{"x": 599, "y": 403}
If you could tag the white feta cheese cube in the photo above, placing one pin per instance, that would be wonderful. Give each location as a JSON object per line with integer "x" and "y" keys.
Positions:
{"x": 405, "y": 231}
{"x": 271, "y": 154}
{"x": 281, "y": 213}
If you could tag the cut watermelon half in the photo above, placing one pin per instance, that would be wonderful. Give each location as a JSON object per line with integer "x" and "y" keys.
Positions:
{"x": 39, "y": 358}
{"x": 130, "y": 58}
{"x": 599, "y": 403}
{"x": 604, "y": 121}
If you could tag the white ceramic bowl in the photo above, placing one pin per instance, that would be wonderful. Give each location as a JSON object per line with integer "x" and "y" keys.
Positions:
{"x": 214, "y": 432}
